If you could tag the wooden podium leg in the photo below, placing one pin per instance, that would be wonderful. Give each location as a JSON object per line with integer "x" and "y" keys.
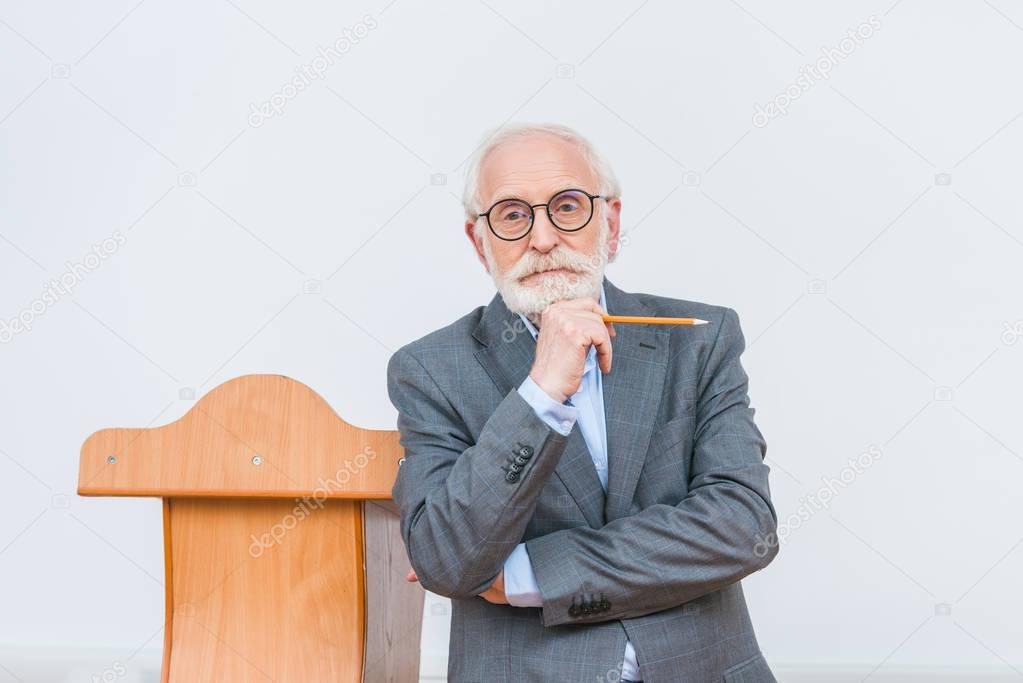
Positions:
{"x": 262, "y": 589}
{"x": 394, "y": 607}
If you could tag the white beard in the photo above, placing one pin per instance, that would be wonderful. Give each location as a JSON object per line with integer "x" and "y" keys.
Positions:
{"x": 532, "y": 299}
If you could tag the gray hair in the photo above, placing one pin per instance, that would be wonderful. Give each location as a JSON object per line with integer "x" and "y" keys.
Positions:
{"x": 607, "y": 182}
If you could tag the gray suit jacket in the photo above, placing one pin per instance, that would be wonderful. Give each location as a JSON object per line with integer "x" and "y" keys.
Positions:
{"x": 657, "y": 560}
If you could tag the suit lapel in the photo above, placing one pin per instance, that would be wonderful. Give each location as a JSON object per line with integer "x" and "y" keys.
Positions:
{"x": 631, "y": 394}
{"x": 507, "y": 355}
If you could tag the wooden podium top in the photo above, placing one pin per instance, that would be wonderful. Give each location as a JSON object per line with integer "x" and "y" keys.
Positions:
{"x": 259, "y": 436}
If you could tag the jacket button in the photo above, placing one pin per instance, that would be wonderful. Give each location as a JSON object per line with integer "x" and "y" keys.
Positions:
{"x": 515, "y": 467}
{"x": 511, "y": 477}
{"x": 520, "y": 460}
{"x": 526, "y": 452}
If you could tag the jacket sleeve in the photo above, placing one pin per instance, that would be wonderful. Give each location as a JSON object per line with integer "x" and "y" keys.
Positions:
{"x": 464, "y": 505}
{"x": 667, "y": 555}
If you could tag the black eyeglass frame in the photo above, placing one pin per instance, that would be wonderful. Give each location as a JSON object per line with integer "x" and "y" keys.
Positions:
{"x": 547, "y": 208}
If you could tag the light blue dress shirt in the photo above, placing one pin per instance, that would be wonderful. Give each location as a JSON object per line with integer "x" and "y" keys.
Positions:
{"x": 587, "y": 408}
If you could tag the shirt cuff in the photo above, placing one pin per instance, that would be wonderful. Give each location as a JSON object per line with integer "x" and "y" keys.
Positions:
{"x": 558, "y": 416}
{"x": 520, "y": 587}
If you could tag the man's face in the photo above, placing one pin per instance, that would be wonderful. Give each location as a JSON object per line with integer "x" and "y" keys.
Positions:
{"x": 546, "y": 265}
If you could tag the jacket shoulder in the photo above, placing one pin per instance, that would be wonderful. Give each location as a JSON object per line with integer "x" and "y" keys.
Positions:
{"x": 443, "y": 342}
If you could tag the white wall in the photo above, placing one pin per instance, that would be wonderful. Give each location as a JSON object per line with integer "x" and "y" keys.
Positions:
{"x": 870, "y": 239}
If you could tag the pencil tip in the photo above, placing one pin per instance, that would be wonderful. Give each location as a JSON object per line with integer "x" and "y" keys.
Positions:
{"x": 698, "y": 321}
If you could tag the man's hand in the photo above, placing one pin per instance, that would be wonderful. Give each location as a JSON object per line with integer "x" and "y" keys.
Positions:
{"x": 494, "y": 594}
{"x": 568, "y": 329}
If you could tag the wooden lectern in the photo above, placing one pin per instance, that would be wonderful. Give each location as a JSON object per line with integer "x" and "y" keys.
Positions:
{"x": 283, "y": 557}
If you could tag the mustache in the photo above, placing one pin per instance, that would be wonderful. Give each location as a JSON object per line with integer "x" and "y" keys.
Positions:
{"x": 578, "y": 263}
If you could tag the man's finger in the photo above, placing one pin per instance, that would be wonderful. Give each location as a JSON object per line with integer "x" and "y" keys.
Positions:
{"x": 603, "y": 345}
{"x": 604, "y": 354}
{"x": 411, "y": 576}
{"x": 596, "y": 308}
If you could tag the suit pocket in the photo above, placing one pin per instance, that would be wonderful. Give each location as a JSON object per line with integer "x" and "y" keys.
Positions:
{"x": 752, "y": 670}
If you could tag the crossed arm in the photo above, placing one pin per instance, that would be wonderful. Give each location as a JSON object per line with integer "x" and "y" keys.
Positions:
{"x": 463, "y": 507}
{"x": 461, "y": 518}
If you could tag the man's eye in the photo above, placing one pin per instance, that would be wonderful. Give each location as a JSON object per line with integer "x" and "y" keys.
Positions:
{"x": 567, "y": 206}
{"x": 513, "y": 217}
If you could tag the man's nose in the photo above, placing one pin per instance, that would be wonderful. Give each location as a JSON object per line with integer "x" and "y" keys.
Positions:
{"x": 544, "y": 235}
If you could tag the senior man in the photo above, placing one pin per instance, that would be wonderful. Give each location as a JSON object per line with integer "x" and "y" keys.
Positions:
{"x": 588, "y": 495}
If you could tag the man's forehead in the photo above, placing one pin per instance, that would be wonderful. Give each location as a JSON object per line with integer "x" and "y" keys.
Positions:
{"x": 534, "y": 168}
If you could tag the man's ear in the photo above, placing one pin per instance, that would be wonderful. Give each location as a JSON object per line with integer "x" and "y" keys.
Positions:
{"x": 470, "y": 232}
{"x": 614, "y": 225}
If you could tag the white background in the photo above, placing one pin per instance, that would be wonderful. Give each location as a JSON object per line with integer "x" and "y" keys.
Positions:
{"x": 870, "y": 239}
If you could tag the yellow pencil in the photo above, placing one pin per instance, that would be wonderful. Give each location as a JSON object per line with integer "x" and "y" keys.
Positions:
{"x": 652, "y": 320}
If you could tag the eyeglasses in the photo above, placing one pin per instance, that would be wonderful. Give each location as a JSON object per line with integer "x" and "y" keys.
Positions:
{"x": 569, "y": 211}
